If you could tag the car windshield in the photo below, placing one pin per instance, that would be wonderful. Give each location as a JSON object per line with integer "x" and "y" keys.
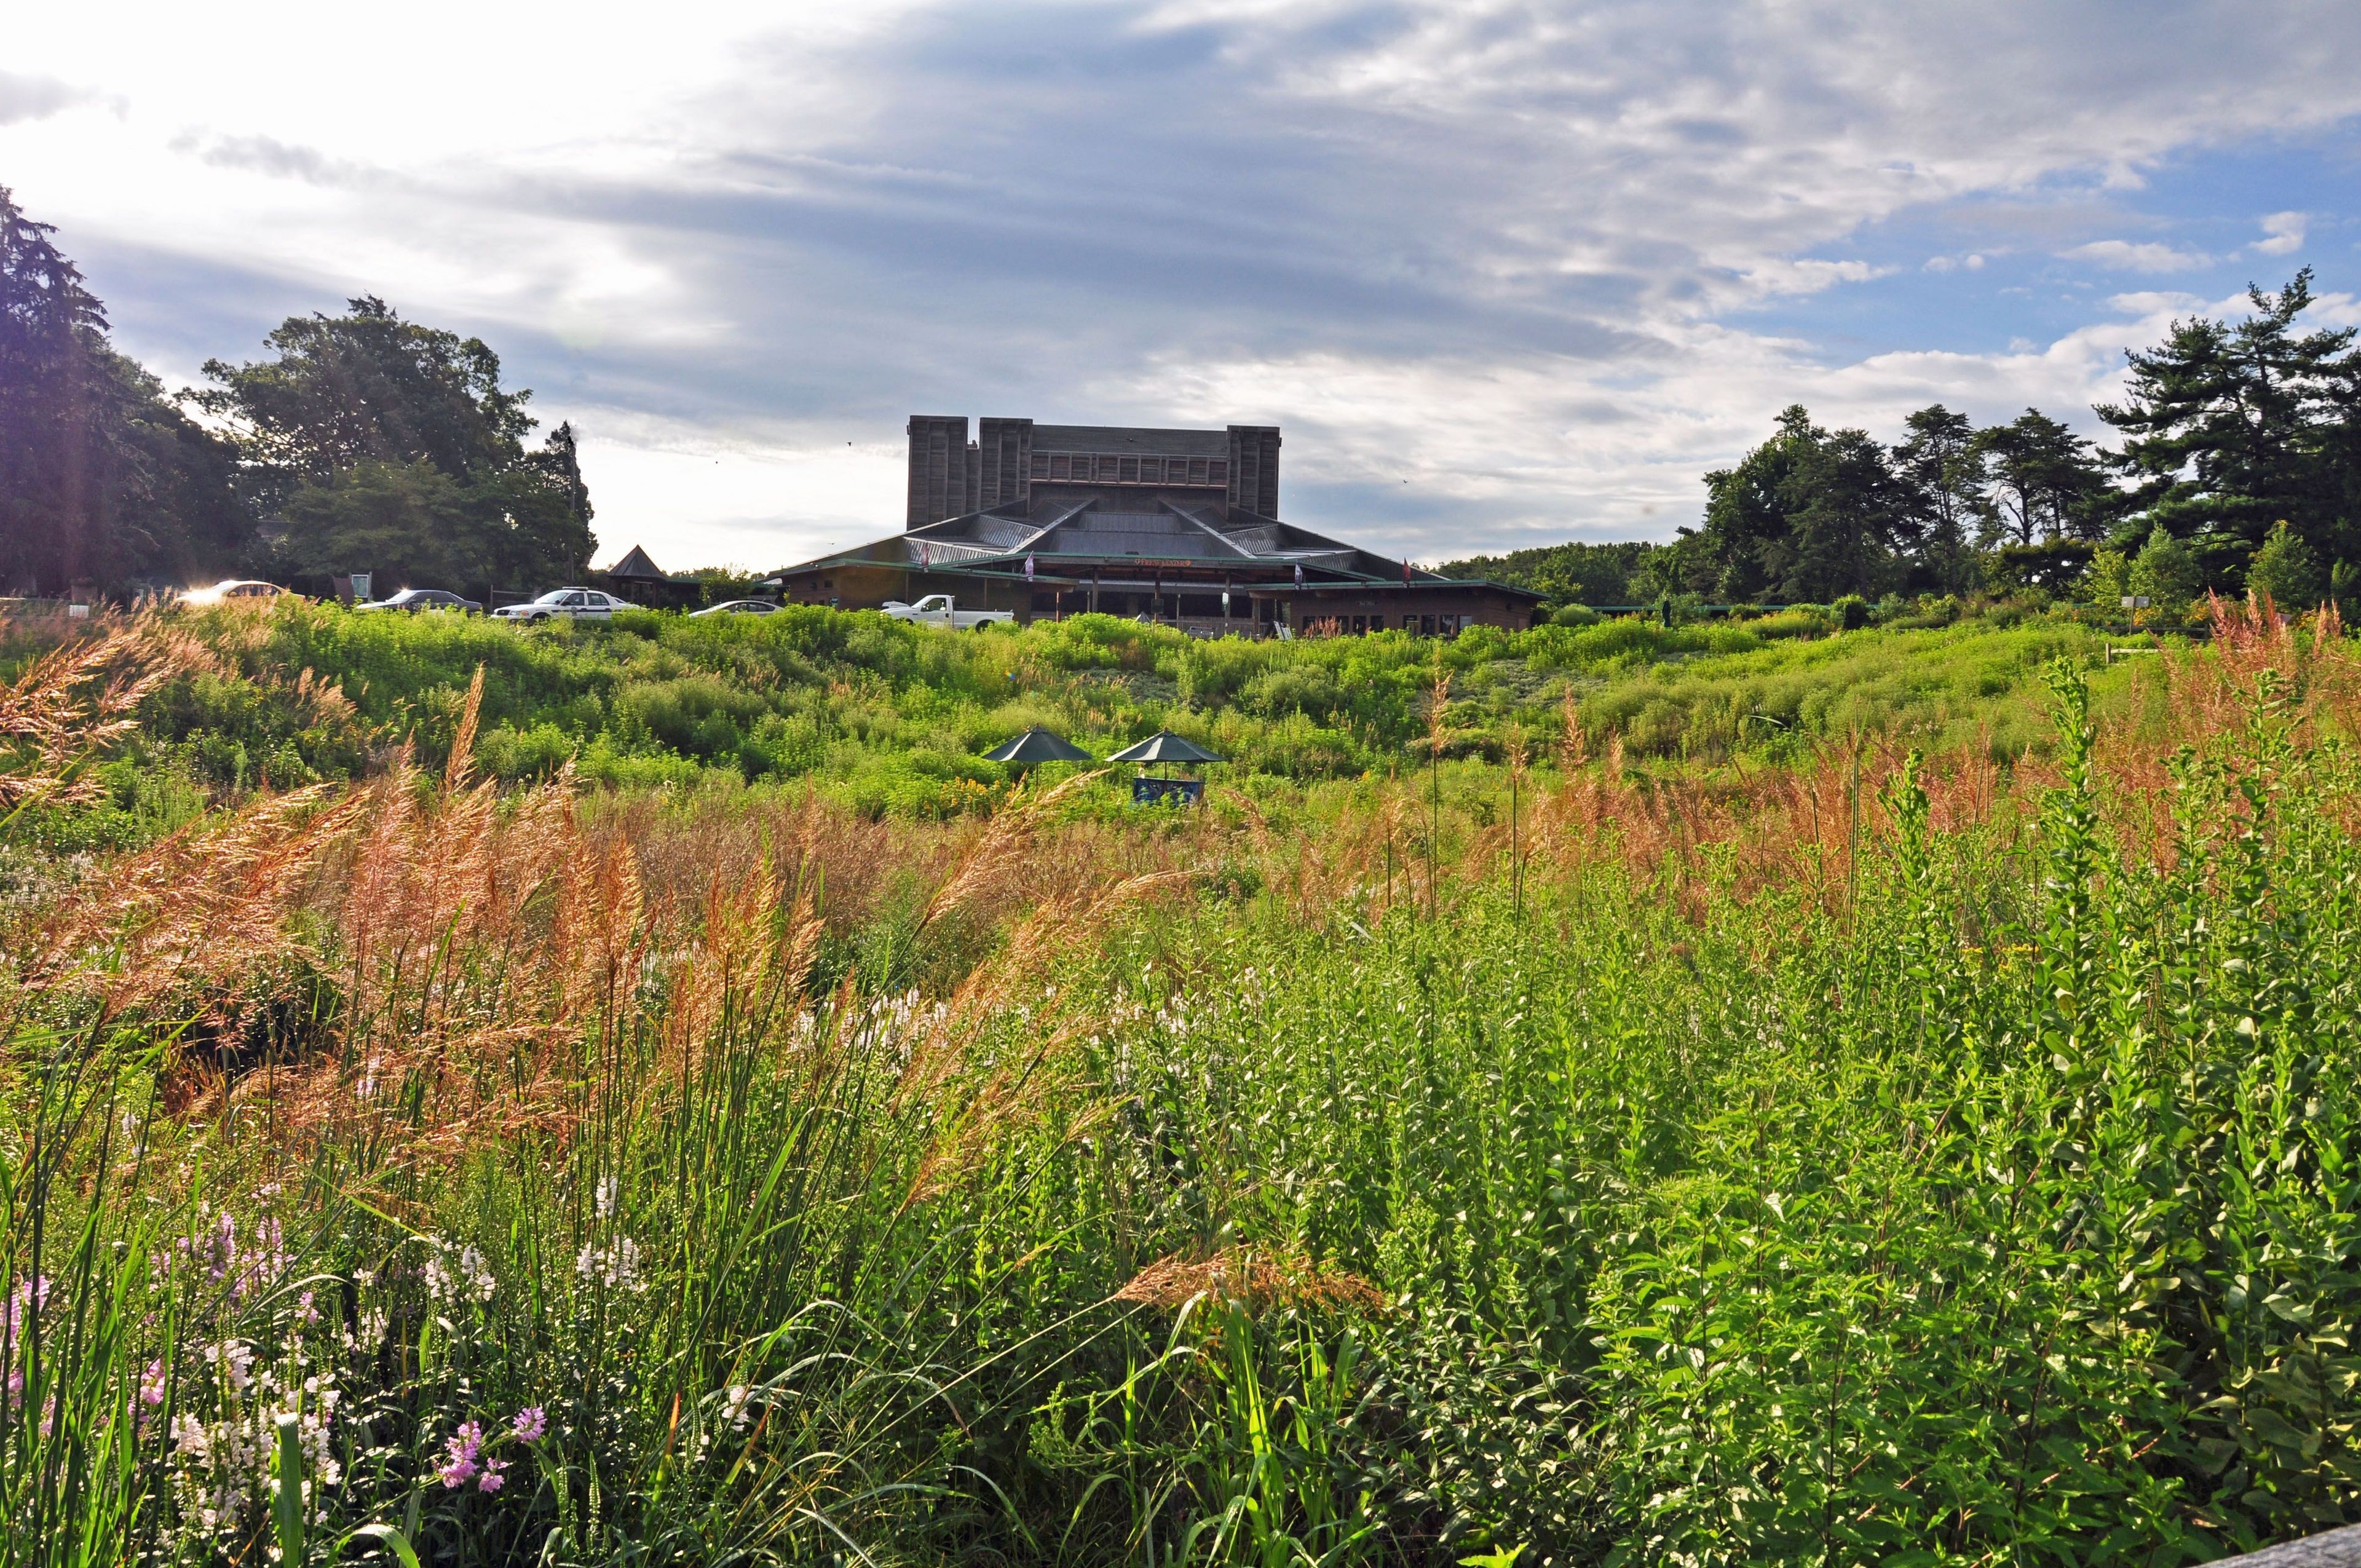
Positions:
{"x": 555, "y": 596}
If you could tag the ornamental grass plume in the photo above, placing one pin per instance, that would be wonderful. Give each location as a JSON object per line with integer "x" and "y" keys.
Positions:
{"x": 1254, "y": 1278}
{"x": 78, "y": 698}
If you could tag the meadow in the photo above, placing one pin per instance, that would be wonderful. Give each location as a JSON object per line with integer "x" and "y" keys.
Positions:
{"x": 1619, "y": 1093}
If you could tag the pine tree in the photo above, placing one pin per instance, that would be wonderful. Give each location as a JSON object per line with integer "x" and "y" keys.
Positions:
{"x": 2286, "y": 569}
{"x": 49, "y": 457}
{"x": 2229, "y": 428}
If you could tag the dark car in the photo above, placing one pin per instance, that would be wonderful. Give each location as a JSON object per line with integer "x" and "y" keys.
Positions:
{"x": 416, "y": 599}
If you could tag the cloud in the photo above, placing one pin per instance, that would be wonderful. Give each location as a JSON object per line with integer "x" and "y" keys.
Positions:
{"x": 36, "y": 97}
{"x": 2286, "y": 234}
{"x": 1545, "y": 261}
{"x": 280, "y": 160}
{"x": 2127, "y": 256}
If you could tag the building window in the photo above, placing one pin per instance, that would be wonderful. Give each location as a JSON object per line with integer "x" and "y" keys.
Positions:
{"x": 1196, "y": 470}
{"x": 1040, "y": 466}
{"x": 1217, "y": 472}
{"x": 1151, "y": 470}
{"x": 1410, "y": 624}
{"x": 1127, "y": 470}
{"x": 1058, "y": 467}
{"x": 1426, "y": 625}
{"x": 1360, "y": 623}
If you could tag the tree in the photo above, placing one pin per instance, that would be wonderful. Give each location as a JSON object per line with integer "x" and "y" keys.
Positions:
{"x": 1942, "y": 479}
{"x": 338, "y": 430}
{"x": 100, "y": 477}
{"x": 1573, "y": 573}
{"x": 2229, "y": 429}
{"x": 1846, "y": 522}
{"x": 49, "y": 489}
{"x": 410, "y": 521}
{"x": 2166, "y": 573}
{"x": 2287, "y": 570}
{"x": 1805, "y": 516}
{"x": 2041, "y": 482}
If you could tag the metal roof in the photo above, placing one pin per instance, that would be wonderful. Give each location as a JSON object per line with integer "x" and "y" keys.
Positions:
{"x": 1071, "y": 536}
{"x": 1166, "y": 747}
{"x": 1037, "y": 745}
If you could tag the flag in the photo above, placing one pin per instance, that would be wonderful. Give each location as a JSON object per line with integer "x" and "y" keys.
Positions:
{"x": 1299, "y": 573}
{"x": 1028, "y": 565}
{"x": 1405, "y": 571}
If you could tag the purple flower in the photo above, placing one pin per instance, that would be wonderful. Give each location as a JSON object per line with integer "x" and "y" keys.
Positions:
{"x": 530, "y": 1423}
{"x": 464, "y": 1448}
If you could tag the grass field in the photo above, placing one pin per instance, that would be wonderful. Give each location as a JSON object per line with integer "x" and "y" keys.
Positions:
{"x": 1885, "y": 1097}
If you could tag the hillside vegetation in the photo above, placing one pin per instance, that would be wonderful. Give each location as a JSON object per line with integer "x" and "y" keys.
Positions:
{"x": 1861, "y": 1158}
{"x": 891, "y": 719}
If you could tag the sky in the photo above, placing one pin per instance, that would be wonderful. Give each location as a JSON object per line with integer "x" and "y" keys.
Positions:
{"x": 1506, "y": 272}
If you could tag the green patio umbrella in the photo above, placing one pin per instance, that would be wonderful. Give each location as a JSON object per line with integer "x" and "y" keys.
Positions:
{"x": 1165, "y": 747}
{"x": 1037, "y": 745}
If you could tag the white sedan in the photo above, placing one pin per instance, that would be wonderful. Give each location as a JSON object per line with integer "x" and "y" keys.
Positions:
{"x": 233, "y": 588}
{"x": 574, "y": 604}
{"x": 738, "y": 606}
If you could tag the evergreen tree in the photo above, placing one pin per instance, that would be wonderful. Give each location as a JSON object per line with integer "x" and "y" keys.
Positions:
{"x": 2166, "y": 573}
{"x": 48, "y": 450}
{"x": 102, "y": 478}
{"x": 1807, "y": 515}
{"x": 2287, "y": 570}
{"x": 2230, "y": 428}
{"x": 1942, "y": 479}
{"x": 2041, "y": 482}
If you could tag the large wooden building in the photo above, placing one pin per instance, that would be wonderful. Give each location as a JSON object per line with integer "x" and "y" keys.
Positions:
{"x": 1178, "y": 526}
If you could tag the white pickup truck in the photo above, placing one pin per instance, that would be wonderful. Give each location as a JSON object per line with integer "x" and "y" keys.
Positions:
{"x": 937, "y": 609}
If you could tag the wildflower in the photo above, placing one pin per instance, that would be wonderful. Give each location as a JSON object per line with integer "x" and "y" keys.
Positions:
{"x": 151, "y": 1383}
{"x": 189, "y": 1437}
{"x": 605, "y": 1196}
{"x": 734, "y": 1410}
{"x": 466, "y": 1278}
{"x": 531, "y": 1423}
{"x": 615, "y": 1265}
{"x": 237, "y": 1358}
{"x": 463, "y": 1450}
{"x": 492, "y": 1481}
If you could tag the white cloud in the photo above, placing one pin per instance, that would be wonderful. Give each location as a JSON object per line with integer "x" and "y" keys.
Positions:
{"x": 1497, "y": 248}
{"x": 2285, "y": 232}
{"x": 34, "y": 97}
{"x": 2128, "y": 256}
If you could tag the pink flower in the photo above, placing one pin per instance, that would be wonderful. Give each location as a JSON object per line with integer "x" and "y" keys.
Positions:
{"x": 464, "y": 1449}
{"x": 151, "y": 1383}
{"x": 530, "y": 1423}
{"x": 493, "y": 1481}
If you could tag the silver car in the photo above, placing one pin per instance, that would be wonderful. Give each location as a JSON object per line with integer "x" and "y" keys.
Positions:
{"x": 574, "y": 604}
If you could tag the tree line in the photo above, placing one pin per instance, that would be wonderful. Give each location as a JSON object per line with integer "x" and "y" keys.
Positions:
{"x": 363, "y": 441}
{"x": 2239, "y": 465}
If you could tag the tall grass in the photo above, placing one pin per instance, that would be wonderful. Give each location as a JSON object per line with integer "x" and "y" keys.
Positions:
{"x": 1891, "y": 1159}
